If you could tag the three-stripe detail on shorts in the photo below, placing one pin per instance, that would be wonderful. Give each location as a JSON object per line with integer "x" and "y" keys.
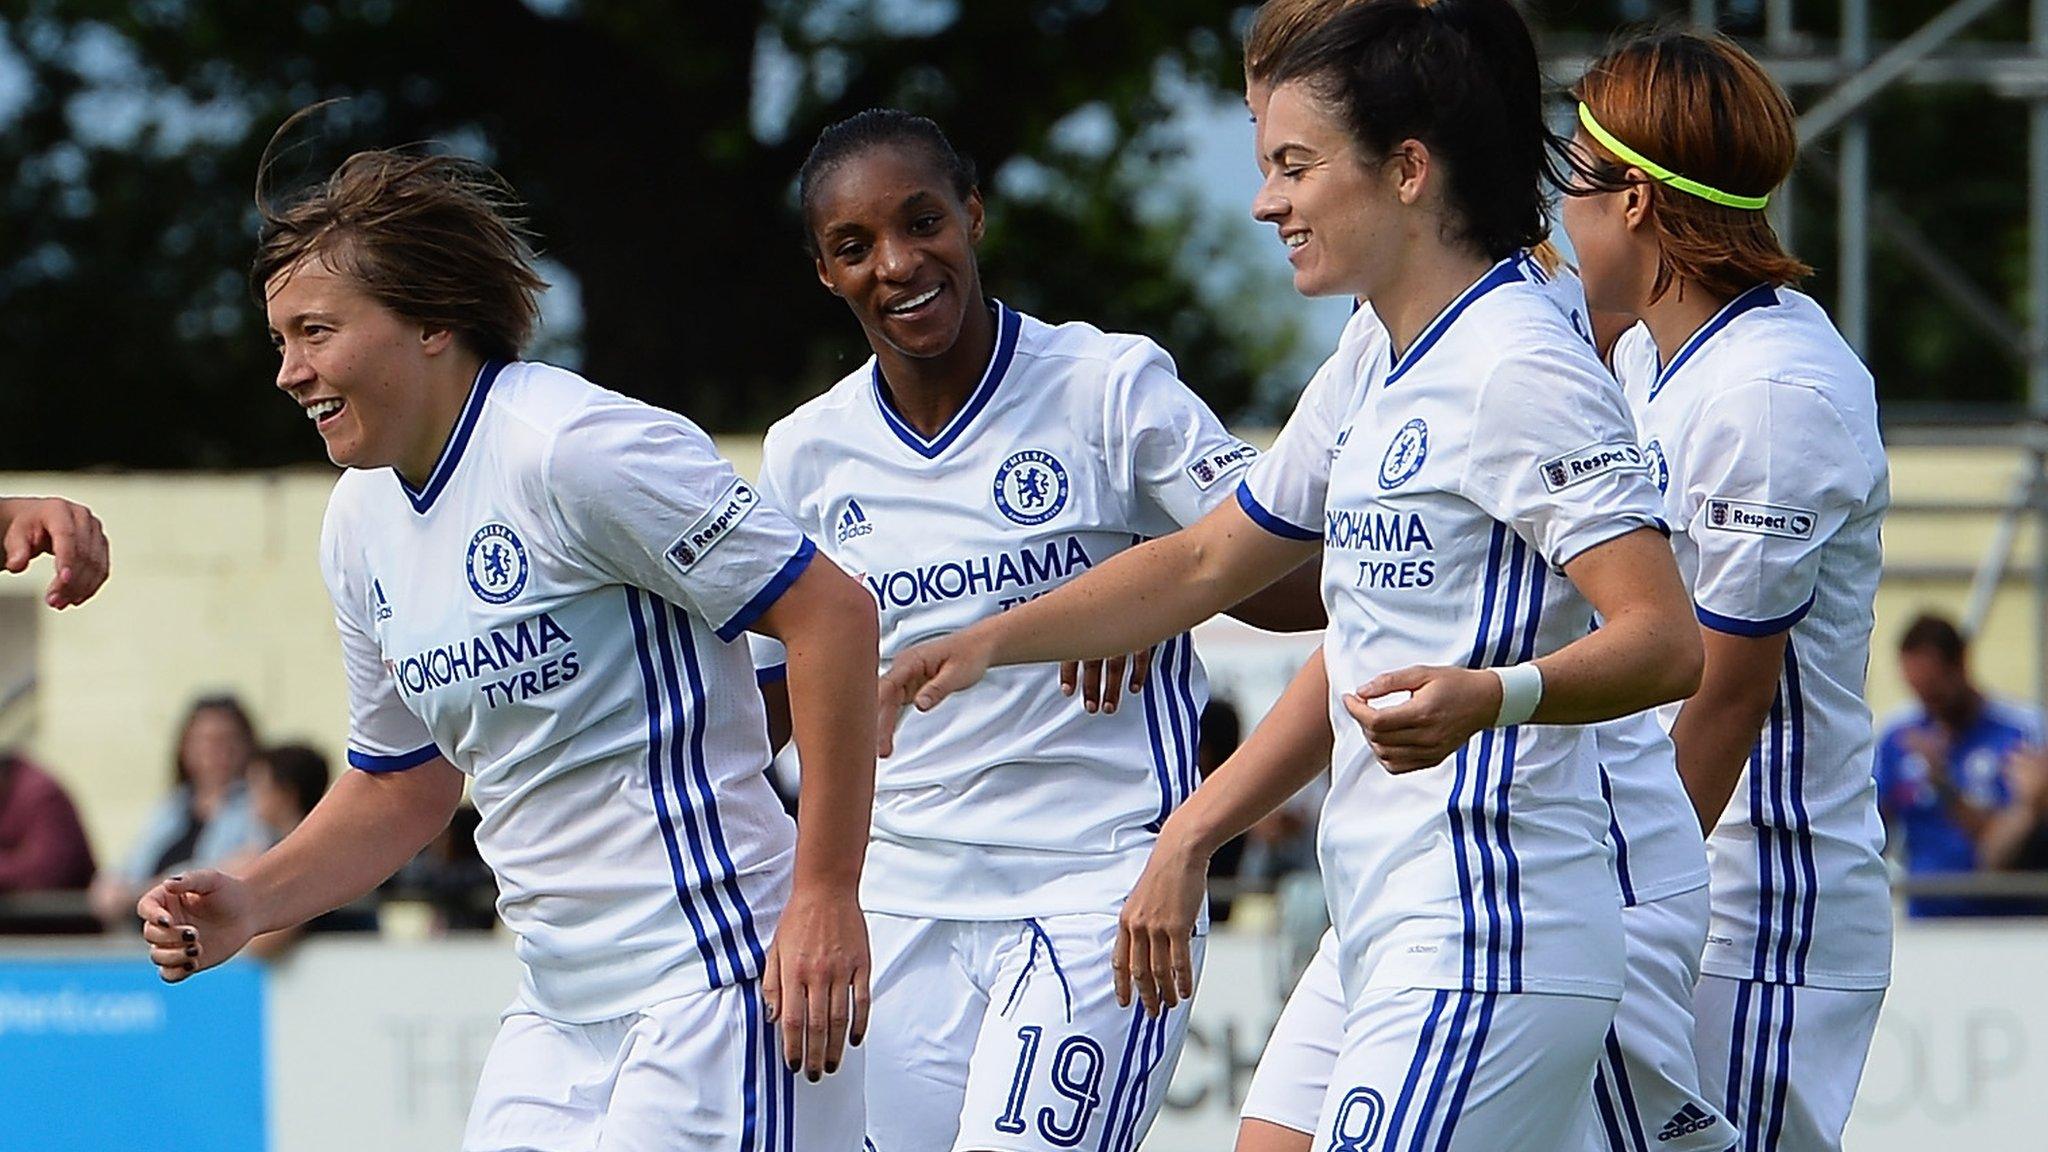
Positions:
{"x": 1144, "y": 1049}
{"x": 768, "y": 1089}
{"x": 1759, "y": 1062}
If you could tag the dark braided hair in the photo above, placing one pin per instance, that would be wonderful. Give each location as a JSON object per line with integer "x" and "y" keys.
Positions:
{"x": 876, "y": 128}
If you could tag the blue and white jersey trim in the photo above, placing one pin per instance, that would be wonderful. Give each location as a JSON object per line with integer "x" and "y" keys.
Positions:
{"x": 1174, "y": 723}
{"x": 1737, "y": 626}
{"x": 1008, "y": 324}
{"x": 422, "y": 499}
{"x": 398, "y": 763}
{"x": 1508, "y": 271}
{"x": 1787, "y": 877}
{"x": 677, "y": 775}
{"x": 1510, "y": 610}
{"x": 769, "y": 593}
{"x": 1761, "y": 296}
{"x": 1270, "y": 521}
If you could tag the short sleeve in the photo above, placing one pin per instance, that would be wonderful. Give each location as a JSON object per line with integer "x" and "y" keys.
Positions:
{"x": 1284, "y": 491}
{"x": 1180, "y": 459}
{"x": 643, "y": 497}
{"x": 1554, "y": 453}
{"x": 1771, "y": 473}
{"x": 770, "y": 657}
{"x": 383, "y": 734}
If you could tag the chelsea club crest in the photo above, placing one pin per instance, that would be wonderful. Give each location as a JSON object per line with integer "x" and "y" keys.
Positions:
{"x": 1031, "y": 487}
{"x": 1660, "y": 468}
{"x": 1405, "y": 455}
{"x": 497, "y": 564}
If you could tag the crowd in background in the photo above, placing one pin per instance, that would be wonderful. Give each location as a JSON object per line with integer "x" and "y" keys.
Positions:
{"x": 1962, "y": 780}
{"x": 230, "y": 797}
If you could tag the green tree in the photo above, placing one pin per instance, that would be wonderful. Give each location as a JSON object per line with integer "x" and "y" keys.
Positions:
{"x": 655, "y": 141}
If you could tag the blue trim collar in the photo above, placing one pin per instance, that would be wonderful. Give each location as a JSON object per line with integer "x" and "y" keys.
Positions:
{"x": 1508, "y": 271}
{"x": 458, "y": 440}
{"x": 1008, "y": 324}
{"x": 1761, "y": 296}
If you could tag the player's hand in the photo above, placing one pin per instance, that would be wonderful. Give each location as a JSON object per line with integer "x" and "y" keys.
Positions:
{"x": 194, "y": 921}
{"x": 925, "y": 674}
{"x": 1155, "y": 932}
{"x": 816, "y": 981}
{"x": 1102, "y": 681}
{"x": 31, "y": 526}
{"x": 1443, "y": 710}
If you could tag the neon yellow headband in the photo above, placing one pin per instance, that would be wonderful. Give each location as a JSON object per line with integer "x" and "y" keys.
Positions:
{"x": 1662, "y": 174}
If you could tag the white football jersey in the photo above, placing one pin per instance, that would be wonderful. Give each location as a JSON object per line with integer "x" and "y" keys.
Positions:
{"x": 1010, "y": 800}
{"x": 1490, "y": 454}
{"x": 1762, "y": 434}
{"x": 557, "y": 612}
{"x": 1655, "y": 837}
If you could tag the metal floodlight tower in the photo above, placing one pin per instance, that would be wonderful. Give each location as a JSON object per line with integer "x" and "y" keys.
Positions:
{"x": 1835, "y": 84}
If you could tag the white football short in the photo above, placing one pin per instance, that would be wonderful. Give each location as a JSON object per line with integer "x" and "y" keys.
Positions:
{"x": 1751, "y": 1037}
{"x": 1646, "y": 1089}
{"x": 1646, "y": 1092}
{"x": 1005, "y": 1036}
{"x": 1462, "y": 1071}
{"x": 1293, "y": 1074}
{"x": 698, "y": 1073}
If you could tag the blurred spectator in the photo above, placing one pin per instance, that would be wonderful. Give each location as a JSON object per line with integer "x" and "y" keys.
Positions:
{"x": 206, "y": 820}
{"x": 285, "y": 782}
{"x": 1218, "y": 736}
{"x": 1942, "y": 767}
{"x": 2017, "y": 840}
{"x": 42, "y": 845}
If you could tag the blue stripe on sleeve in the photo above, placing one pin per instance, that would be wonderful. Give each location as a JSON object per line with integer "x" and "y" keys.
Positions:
{"x": 769, "y": 593}
{"x": 771, "y": 674}
{"x": 398, "y": 763}
{"x": 1268, "y": 520}
{"x": 1737, "y": 626}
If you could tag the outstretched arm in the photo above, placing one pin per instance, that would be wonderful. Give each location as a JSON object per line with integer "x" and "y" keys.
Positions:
{"x": 366, "y": 827}
{"x": 816, "y": 982}
{"x": 1134, "y": 600}
{"x": 31, "y": 526}
{"x": 1287, "y": 750}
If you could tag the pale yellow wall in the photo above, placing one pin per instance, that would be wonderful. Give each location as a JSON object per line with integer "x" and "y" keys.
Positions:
{"x": 216, "y": 585}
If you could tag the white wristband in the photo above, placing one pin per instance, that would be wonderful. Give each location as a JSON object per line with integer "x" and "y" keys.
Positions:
{"x": 1521, "y": 690}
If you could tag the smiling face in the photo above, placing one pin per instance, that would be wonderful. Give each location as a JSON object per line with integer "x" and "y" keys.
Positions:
{"x": 358, "y": 369}
{"x": 1331, "y": 209}
{"x": 896, "y": 242}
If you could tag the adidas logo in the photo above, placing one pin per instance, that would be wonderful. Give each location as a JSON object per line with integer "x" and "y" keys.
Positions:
{"x": 853, "y": 522}
{"x": 1686, "y": 1121}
